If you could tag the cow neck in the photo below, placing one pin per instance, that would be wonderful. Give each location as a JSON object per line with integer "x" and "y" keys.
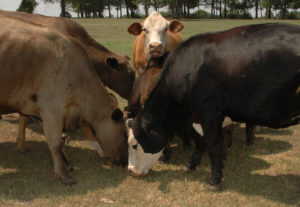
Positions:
{"x": 98, "y": 55}
{"x": 98, "y": 104}
{"x": 157, "y": 62}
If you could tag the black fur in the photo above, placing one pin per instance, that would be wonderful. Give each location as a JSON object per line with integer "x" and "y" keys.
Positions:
{"x": 117, "y": 115}
{"x": 249, "y": 73}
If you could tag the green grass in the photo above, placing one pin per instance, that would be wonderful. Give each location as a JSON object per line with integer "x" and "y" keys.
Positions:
{"x": 264, "y": 175}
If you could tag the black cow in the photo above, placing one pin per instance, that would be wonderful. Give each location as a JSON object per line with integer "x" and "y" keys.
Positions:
{"x": 250, "y": 74}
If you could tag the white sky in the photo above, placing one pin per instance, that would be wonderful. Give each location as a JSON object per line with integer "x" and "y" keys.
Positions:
{"x": 46, "y": 9}
{"x": 42, "y": 8}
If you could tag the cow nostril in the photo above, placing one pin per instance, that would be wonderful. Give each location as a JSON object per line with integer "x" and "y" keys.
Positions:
{"x": 155, "y": 45}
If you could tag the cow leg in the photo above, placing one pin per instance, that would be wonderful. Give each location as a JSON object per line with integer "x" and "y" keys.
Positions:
{"x": 200, "y": 149}
{"x": 250, "y": 134}
{"x": 167, "y": 153}
{"x": 212, "y": 128}
{"x": 21, "y": 144}
{"x": 53, "y": 130}
{"x": 227, "y": 133}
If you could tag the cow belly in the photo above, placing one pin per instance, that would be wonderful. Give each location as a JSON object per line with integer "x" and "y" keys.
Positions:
{"x": 227, "y": 121}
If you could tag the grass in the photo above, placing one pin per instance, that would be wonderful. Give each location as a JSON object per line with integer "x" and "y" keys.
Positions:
{"x": 264, "y": 175}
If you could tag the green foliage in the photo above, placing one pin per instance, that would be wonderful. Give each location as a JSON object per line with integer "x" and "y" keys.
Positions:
{"x": 178, "y": 8}
{"x": 201, "y": 14}
{"x": 27, "y": 6}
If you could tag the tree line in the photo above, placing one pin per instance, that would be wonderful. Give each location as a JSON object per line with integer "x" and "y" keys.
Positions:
{"x": 283, "y": 9}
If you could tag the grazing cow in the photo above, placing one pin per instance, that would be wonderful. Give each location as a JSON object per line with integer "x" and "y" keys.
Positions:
{"x": 250, "y": 74}
{"x": 155, "y": 36}
{"x": 115, "y": 72}
{"x": 48, "y": 75}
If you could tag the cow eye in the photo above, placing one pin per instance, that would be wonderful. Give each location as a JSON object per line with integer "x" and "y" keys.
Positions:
{"x": 145, "y": 30}
{"x": 135, "y": 146}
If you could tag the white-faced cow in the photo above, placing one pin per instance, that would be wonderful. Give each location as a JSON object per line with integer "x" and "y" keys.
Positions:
{"x": 250, "y": 74}
{"x": 116, "y": 72}
{"x": 155, "y": 36}
{"x": 48, "y": 75}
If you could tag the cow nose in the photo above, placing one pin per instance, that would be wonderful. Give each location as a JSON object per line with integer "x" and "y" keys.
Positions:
{"x": 156, "y": 46}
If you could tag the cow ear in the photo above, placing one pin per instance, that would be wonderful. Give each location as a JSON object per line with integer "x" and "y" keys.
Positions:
{"x": 135, "y": 29}
{"x": 112, "y": 62}
{"x": 117, "y": 115}
{"x": 175, "y": 26}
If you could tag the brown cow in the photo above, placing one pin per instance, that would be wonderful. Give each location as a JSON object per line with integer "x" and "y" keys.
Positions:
{"x": 48, "y": 75}
{"x": 155, "y": 36}
{"x": 115, "y": 72}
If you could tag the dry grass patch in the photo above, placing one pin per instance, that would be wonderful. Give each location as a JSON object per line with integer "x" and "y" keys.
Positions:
{"x": 264, "y": 175}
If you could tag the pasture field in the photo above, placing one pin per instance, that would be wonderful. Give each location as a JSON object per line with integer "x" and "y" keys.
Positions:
{"x": 264, "y": 175}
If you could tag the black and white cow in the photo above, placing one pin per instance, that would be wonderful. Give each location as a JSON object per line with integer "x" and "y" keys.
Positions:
{"x": 250, "y": 74}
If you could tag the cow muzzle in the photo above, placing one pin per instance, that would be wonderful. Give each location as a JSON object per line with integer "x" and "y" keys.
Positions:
{"x": 134, "y": 172}
{"x": 156, "y": 49}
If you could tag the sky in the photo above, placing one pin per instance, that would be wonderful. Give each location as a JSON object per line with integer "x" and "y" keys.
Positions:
{"x": 42, "y": 8}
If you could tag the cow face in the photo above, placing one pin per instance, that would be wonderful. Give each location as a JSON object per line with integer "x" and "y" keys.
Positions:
{"x": 123, "y": 75}
{"x": 112, "y": 136}
{"x": 155, "y": 29}
{"x": 139, "y": 162}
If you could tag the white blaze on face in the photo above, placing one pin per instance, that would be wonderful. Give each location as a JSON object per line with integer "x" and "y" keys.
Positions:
{"x": 227, "y": 121}
{"x": 155, "y": 34}
{"x": 139, "y": 162}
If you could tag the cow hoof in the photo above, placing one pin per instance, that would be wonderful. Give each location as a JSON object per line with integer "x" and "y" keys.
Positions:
{"x": 249, "y": 143}
{"x": 190, "y": 166}
{"x": 69, "y": 168}
{"x": 187, "y": 169}
{"x": 164, "y": 159}
{"x": 68, "y": 181}
{"x": 214, "y": 187}
{"x": 23, "y": 149}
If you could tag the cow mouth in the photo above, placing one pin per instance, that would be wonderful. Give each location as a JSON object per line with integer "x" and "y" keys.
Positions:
{"x": 155, "y": 53}
{"x": 133, "y": 172}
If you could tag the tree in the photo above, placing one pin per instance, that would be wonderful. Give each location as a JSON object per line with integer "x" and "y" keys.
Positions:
{"x": 27, "y": 6}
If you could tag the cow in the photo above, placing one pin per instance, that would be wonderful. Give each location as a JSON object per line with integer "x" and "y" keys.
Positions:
{"x": 116, "y": 72}
{"x": 249, "y": 73}
{"x": 48, "y": 75}
{"x": 155, "y": 36}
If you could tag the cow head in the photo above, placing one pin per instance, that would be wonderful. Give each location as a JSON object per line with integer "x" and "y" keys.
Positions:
{"x": 154, "y": 29}
{"x": 112, "y": 135}
{"x": 139, "y": 161}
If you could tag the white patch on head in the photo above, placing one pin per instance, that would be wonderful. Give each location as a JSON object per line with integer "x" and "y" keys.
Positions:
{"x": 155, "y": 32}
{"x": 98, "y": 148}
{"x": 139, "y": 162}
{"x": 227, "y": 121}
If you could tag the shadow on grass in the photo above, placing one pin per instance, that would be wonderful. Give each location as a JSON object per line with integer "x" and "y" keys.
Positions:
{"x": 240, "y": 171}
{"x": 26, "y": 176}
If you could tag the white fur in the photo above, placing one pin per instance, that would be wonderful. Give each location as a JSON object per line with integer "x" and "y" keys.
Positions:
{"x": 140, "y": 162}
{"x": 227, "y": 121}
{"x": 155, "y": 25}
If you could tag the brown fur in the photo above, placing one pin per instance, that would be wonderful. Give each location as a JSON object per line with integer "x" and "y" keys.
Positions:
{"x": 56, "y": 70}
{"x": 139, "y": 48}
{"x": 119, "y": 78}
